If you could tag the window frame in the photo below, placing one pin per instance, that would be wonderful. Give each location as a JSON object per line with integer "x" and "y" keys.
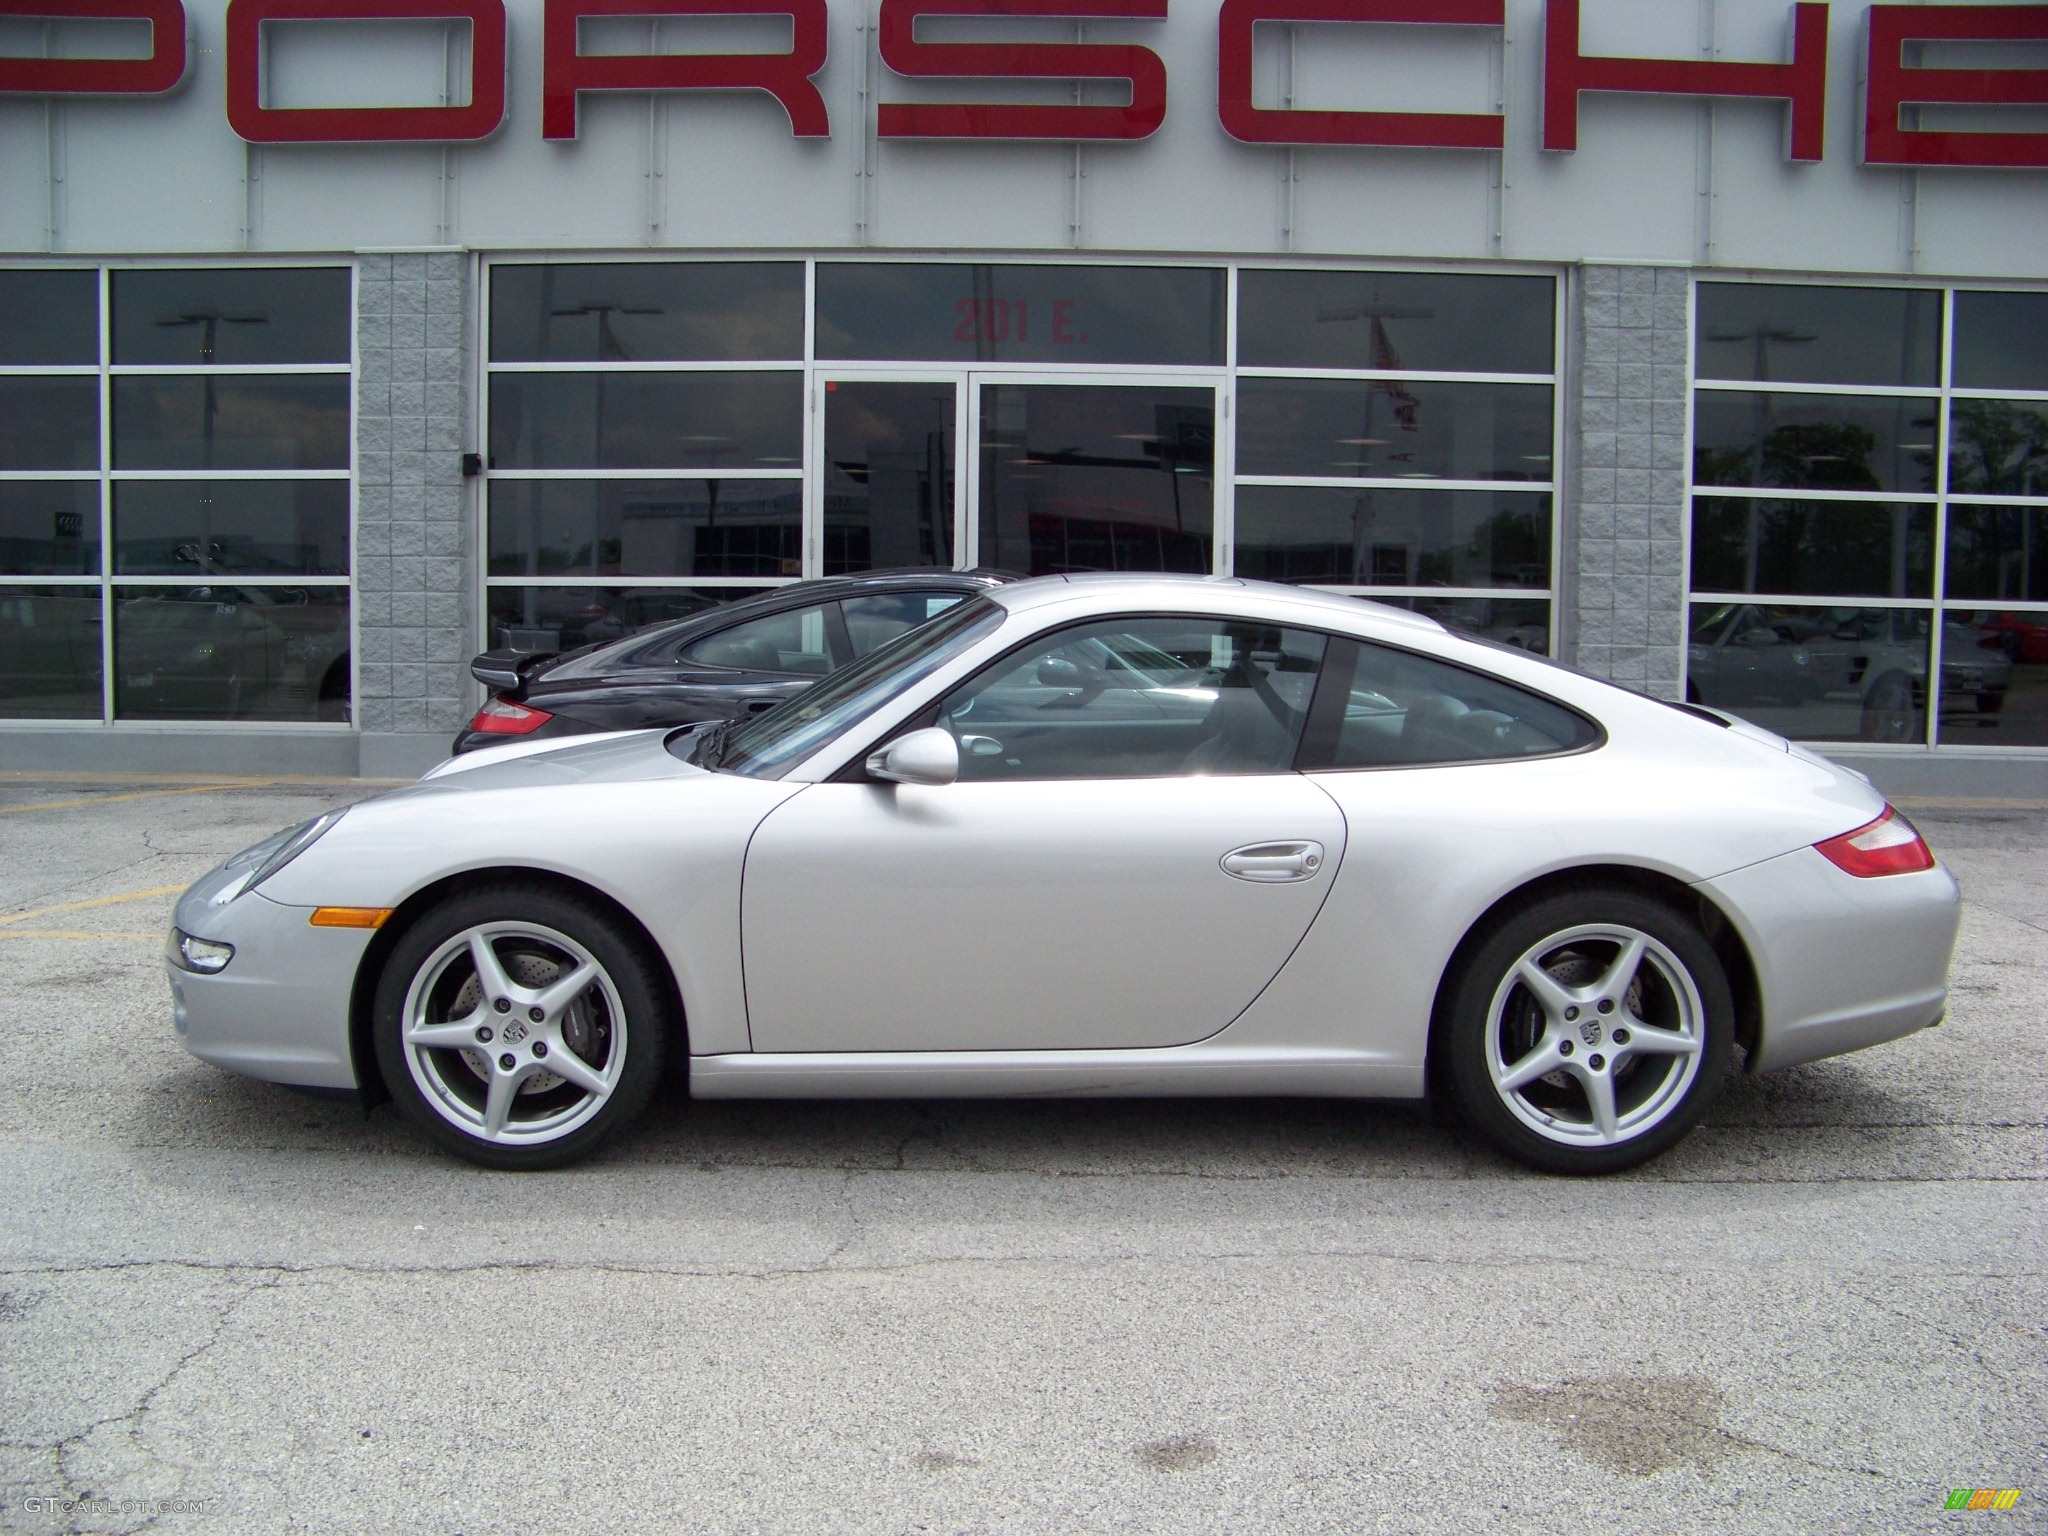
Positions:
{"x": 1325, "y": 722}
{"x": 1943, "y": 498}
{"x": 104, "y": 370}
{"x": 1223, "y": 378}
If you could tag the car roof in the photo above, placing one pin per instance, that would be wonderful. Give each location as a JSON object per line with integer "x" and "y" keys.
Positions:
{"x": 592, "y": 660}
{"x": 1147, "y": 591}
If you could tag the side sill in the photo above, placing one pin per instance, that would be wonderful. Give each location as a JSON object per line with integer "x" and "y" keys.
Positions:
{"x": 1177, "y": 1072}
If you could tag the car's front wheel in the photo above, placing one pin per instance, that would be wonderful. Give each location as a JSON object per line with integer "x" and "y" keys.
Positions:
{"x": 1589, "y": 1030}
{"x": 518, "y": 1027}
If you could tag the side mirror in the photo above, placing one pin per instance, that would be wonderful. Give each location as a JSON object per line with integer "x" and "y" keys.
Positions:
{"x": 1058, "y": 672}
{"x": 929, "y": 756}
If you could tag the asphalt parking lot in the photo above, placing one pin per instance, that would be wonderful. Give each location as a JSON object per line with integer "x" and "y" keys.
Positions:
{"x": 227, "y": 1306}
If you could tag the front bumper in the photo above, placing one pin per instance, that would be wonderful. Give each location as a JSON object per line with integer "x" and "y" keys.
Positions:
{"x": 1842, "y": 963}
{"x": 280, "y": 1009}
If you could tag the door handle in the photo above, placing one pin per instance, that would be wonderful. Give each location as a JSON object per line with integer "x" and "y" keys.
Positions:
{"x": 1274, "y": 863}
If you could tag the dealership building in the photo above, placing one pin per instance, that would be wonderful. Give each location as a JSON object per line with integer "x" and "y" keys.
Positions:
{"x": 1701, "y": 344}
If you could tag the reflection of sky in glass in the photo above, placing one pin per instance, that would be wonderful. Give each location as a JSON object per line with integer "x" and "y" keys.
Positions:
{"x": 2001, "y": 341}
{"x": 647, "y": 312}
{"x": 1386, "y": 537}
{"x": 1394, "y": 429}
{"x": 1793, "y": 333}
{"x": 237, "y": 316}
{"x": 1431, "y": 322}
{"x": 967, "y": 313}
{"x": 645, "y": 528}
{"x": 235, "y": 422}
{"x": 49, "y": 319}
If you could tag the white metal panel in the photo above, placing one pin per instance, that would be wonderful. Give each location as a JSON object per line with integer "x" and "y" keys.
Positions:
{"x": 721, "y": 170}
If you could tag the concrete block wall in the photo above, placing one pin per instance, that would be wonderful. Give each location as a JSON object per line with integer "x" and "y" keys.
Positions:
{"x": 1625, "y": 591}
{"x": 414, "y": 518}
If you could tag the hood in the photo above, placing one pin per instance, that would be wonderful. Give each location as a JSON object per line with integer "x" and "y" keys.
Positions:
{"x": 614, "y": 757}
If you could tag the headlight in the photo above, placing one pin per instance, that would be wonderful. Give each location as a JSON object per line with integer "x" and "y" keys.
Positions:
{"x": 273, "y": 853}
{"x": 201, "y": 955}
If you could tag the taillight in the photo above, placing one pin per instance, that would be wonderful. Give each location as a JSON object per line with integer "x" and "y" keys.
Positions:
{"x": 501, "y": 717}
{"x": 1890, "y": 845}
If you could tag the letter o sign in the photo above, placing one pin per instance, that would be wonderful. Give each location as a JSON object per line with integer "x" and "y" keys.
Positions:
{"x": 365, "y": 125}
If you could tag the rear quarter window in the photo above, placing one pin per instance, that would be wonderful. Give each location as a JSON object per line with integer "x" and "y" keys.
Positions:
{"x": 1399, "y": 710}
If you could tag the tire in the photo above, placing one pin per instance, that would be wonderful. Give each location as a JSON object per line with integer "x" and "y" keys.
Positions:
{"x": 444, "y": 1043}
{"x": 1636, "y": 1013}
{"x": 1888, "y": 713}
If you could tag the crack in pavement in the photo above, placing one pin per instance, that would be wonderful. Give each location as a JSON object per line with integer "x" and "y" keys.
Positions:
{"x": 66, "y": 1446}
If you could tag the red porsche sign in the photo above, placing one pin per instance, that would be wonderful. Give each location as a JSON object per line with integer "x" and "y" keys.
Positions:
{"x": 1894, "y": 88}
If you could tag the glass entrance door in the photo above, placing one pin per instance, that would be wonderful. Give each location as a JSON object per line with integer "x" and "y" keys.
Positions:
{"x": 890, "y": 465}
{"x": 1088, "y": 476}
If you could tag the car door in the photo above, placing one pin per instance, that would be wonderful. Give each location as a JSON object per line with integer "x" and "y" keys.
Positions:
{"x": 1127, "y": 859}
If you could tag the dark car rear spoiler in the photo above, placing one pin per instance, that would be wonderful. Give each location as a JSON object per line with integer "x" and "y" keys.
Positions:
{"x": 507, "y": 671}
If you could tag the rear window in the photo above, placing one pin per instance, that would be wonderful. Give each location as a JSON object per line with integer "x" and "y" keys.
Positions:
{"x": 1401, "y": 710}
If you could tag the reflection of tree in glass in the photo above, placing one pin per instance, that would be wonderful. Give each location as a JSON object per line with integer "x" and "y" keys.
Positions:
{"x": 1998, "y": 447}
{"x": 1820, "y": 456}
{"x": 1512, "y": 546}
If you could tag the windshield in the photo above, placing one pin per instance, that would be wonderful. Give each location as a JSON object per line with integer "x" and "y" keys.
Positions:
{"x": 768, "y": 744}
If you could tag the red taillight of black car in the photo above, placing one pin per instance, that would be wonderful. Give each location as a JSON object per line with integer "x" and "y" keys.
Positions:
{"x": 1890, "y": 845}
{"x": 502, "y": 717}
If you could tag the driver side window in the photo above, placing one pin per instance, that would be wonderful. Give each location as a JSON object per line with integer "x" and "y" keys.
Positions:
{"x": 1139, "y": 698}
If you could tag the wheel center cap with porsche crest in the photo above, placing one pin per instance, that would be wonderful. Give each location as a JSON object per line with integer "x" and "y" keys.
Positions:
{"x": 513, "y": 1031}
{"x": 1589, "y": 1031}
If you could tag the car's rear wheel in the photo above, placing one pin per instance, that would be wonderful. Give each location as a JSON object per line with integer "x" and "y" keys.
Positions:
{"x": 518, "y": 1027}
{"x": 1589, "y": 1030}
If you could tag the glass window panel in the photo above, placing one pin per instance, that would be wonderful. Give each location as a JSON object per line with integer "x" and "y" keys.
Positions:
{"x": 1139, "y": 698}
{"x": 562, "y": 618}
{"x": 49, "y": 527}
{"x": 49, "y": 319}
{"x": 1518, "y": 622}
{"x": 1079, "y": 477}
{"x": 231, "y": 422}
{"x": 231, "y": 315}
{"x": 1803, "y": 333}
{"x": 647, "y": 420}
{"x": 795, "y": 641}
{"x": 1813, "y": 674}
{"x": 1404, "y": 710}
{"x": 49, "y": 423}
{"x": 1998, "y": 553}
{"x": 872, "y": 622}
{"x": 888, "y": 475}
{"x": 1429, "y": 322}
{"x": 969, "y": 313}
{"x": 220, "y": 652}
{"x": 50, "y": 653}
{"x": 1813, "y": 442}
{"x": 1998, "y": 447}
{"x": 1386, "y": 537}
{"x": 2001, "y": 341}
{"x": 700, "y": 311}
{"x": 1394, "y": 429}
{"x": 1813, "y": 548}
{"x": 1994, "y": 678}
{"x": 646, "y": 527}
{"x": 242, "y": 528}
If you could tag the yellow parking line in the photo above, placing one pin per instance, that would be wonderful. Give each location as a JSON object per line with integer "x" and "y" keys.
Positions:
{"x": 76, "y": 933}
{"x": 140, "y": 794}
{"x": 97, "y": 901}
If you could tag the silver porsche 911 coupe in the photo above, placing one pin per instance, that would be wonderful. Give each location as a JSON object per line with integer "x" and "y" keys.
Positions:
{"x": 1093, "y": 835}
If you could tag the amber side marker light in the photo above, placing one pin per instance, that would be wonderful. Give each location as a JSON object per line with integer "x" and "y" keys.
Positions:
{"x": 350, "y": 917}
{"x": 1890, "y": 845}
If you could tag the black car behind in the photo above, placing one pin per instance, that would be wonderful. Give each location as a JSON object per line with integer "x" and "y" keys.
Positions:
{"x": 726, "y": 662}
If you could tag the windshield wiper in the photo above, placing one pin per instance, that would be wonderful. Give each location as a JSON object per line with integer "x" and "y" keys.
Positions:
{"x": 711, "y": 747}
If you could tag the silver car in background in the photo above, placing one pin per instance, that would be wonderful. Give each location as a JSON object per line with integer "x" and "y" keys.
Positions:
{"x": 1094, "y": 835}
